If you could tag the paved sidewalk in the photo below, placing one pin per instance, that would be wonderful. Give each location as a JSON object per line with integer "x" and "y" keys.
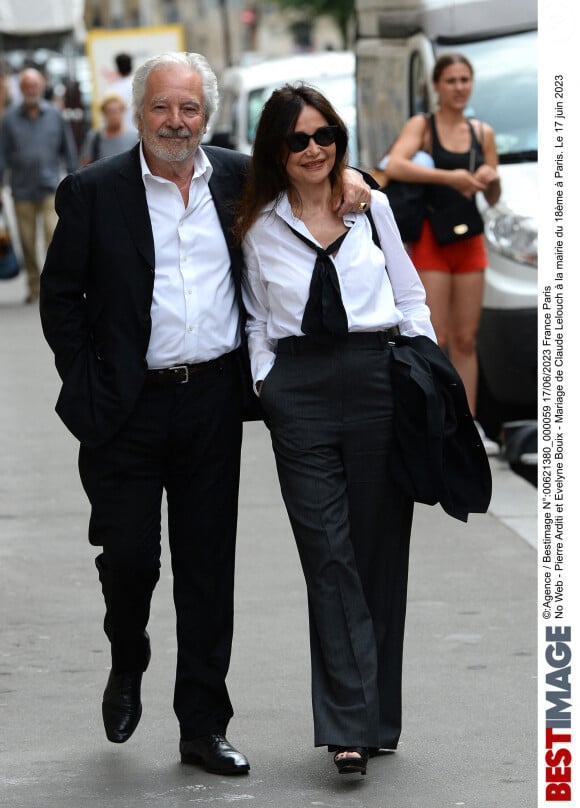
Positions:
{"x": 469, "y": 735}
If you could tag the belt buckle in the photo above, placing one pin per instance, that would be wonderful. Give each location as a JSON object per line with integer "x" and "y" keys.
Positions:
{"x": 175, "y": 368}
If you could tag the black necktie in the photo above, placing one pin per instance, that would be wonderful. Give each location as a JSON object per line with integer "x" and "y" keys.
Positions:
{"x": 324, "y": 314}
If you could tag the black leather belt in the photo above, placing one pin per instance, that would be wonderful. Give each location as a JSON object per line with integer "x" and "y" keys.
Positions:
{"x": 181, "y": 374}
{"x": 354, "y": 339}
{"x": 392, "y": 331}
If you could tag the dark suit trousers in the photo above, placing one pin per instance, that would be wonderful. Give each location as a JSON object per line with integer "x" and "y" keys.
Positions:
{"x": 184, "y": 439}
{"x": 330, "y": 413}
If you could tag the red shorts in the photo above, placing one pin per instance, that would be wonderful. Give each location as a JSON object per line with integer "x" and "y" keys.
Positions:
{"x": 468, "y": 255}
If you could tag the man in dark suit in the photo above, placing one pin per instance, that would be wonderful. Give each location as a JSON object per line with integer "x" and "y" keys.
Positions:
{"x": 141, "y": 304}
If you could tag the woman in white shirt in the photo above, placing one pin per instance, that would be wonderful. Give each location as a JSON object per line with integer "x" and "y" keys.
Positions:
{"x": 320, "y": 329}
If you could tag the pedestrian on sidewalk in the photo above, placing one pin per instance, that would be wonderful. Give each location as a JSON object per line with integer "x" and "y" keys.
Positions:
{"x": 464, "y": 163}
{"x": 141, "y": 304}
{"x": 113, "y": 137}
{"x": 320, "y": 344}
{"x": 123, "y": 86}
{"x": 36, "y": 144}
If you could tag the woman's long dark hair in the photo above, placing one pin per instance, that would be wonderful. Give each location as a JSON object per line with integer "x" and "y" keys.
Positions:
{"x": 267, "y": 178}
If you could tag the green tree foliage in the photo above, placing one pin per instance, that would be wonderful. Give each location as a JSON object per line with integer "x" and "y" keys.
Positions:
{"x": 341, "y": 10}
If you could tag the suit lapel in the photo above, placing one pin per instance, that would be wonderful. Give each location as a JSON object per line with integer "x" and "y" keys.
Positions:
{"x": 224, "y": 187}
{"x": 225, "y": 190}
{"x": 133, "y": 203}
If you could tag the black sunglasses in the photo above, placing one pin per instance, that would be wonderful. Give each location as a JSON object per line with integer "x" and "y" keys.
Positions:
{"x": 324, "y": 136}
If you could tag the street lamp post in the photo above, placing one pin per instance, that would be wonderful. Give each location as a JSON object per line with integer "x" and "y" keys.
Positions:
{"x": 226, "y": 33}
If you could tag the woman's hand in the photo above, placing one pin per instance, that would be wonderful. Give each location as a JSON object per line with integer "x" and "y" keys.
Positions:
{"x": 490, "y": 177}
{"x": 464, "y": 182}
{"x": 356, "y": 194}
{"x": 486, "y": 174}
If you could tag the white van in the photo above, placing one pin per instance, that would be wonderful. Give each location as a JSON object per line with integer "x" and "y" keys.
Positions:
{"x": 244, "y": 91}
{"x": 397, "y": 45}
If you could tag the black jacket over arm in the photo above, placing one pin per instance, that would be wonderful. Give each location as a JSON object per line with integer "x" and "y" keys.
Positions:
{"x": 97, "y": 287}
{"x": 438, "y": 454}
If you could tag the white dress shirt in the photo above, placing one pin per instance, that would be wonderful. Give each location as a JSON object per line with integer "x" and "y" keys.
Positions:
{"x": 276, "y": 283}
{"x": 194, "y": 315}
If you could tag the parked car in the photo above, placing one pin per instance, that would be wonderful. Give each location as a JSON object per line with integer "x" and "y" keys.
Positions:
{"x": 244, "y": 91}
{"x": 397, "y": 44}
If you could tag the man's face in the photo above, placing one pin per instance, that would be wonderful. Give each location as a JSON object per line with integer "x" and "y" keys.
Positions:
{"x": 113, "y": 113}
{"x": 31, "y": 87}
{"x": 173, "y": 120}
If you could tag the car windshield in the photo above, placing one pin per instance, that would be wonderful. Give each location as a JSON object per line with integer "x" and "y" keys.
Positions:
{"x": 505, "y": 92}
{"x": 340, "y": 91}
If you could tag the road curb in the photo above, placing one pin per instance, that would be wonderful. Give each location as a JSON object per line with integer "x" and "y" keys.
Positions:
{"x": 514, "y": 501}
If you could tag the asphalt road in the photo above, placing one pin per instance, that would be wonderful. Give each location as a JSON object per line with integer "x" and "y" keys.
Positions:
{"x": 469, "y": 736}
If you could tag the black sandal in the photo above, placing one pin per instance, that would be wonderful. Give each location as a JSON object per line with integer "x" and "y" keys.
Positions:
{"x": 351, "y": 765}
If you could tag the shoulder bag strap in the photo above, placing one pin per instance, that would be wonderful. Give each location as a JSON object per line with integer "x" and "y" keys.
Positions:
{"x": 96, "y": 149}
{"x": 474, "y": 139}
{"x": 428, "y": 132}
{"x": 376, "y": 238}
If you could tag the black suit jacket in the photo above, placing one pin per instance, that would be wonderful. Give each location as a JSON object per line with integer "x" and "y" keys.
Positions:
{"x": 439, "y": 456}
{"x": 97, "y": 288}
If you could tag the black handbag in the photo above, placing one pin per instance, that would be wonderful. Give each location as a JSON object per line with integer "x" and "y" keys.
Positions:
{"x": 409, "y": 205}
{"x": 456, "y": 222}
{"x": 408, "y": 201}
{"x": 460, "y": 220}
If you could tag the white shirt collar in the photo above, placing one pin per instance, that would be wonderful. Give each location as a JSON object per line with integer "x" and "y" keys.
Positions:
{"x": 283, "y": 208}
{"x": 201, "y": 165}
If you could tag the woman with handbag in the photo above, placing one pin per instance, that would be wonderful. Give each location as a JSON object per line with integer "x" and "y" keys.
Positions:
{"x": 322, "y": 317}
{"x": 450, "y": 253}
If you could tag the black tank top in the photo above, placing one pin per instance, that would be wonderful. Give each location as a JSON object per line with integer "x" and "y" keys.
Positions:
{"x": 443, "y": 195}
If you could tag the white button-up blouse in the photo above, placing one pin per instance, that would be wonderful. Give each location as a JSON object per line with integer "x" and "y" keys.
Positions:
{"x": 279, "y": 269}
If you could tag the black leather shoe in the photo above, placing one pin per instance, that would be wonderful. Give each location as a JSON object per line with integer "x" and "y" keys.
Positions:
{"x": 122, "y": 705}
{"x": 375, "y": 751}
{"x": 215, "y": 753}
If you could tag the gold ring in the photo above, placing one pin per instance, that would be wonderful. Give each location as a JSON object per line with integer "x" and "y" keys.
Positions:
{"x": 362, "y": 206}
